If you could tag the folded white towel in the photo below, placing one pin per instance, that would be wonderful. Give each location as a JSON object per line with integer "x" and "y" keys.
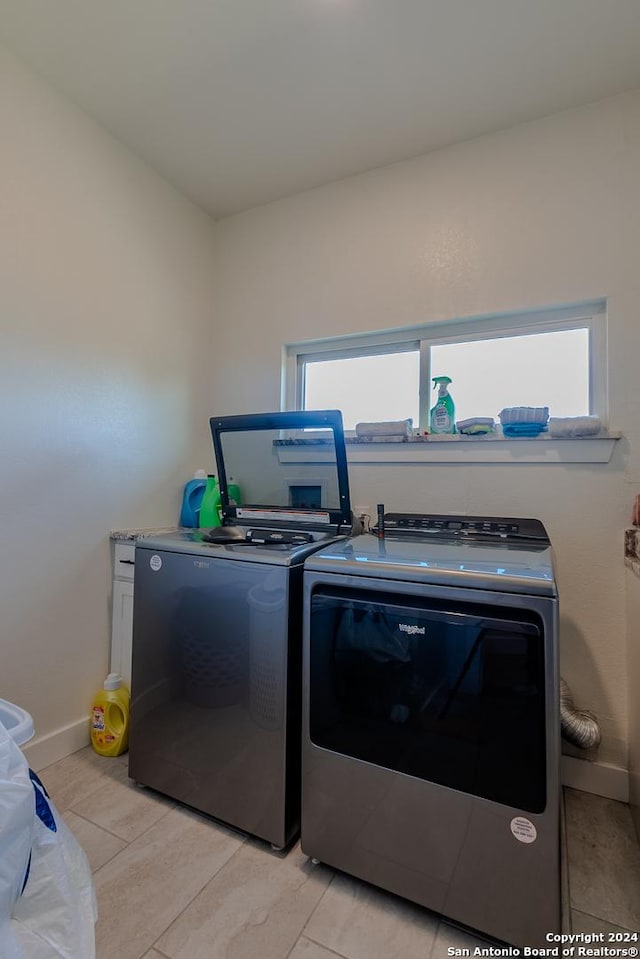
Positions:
{"x": 574, "y": 425}
{"x": 388, "y": 428}
{"x": 524, "y": 414}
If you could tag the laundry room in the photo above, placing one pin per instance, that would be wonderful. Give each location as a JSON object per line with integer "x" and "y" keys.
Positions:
{"x": 198, "y": 205}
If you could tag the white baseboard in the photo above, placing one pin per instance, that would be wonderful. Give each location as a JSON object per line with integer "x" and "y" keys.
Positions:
{"x": 599, "y": 778}
{"x": 45, "y": 750}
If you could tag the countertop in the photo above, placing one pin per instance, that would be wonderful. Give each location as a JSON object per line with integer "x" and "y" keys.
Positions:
{"x": 632, "y": 549}
{"x": 124, "y": 535}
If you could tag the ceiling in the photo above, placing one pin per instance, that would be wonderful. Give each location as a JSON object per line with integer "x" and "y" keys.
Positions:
{"x": 241, "y": 102}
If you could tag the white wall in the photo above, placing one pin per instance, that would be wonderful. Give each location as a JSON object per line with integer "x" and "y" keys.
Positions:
{"x": 543, "y": 214}
{"x": 107, "y": 296}
{"x": 106, "y": 308}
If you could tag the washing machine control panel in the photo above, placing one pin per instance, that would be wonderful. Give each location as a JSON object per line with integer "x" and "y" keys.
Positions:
{"x": 280, "y": 537}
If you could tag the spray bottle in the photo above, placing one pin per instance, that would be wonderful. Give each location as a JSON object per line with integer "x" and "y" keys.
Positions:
{"x": 442, "y": 418}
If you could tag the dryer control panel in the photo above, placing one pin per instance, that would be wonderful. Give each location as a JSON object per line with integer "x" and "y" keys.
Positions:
{"x": 430, "y": 525}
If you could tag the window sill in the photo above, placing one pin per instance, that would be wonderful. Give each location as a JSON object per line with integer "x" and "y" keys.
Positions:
{"x": 461, "y": 449}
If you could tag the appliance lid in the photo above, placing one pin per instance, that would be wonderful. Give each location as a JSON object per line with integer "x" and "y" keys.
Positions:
{"x": 515, "y": 567}
{"x": 194, "y": 542}
{"x": 280, "y": 489}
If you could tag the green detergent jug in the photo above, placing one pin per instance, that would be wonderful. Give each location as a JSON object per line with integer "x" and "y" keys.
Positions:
{"x": 210, "y": 508}
{"x": 235, "y": 496}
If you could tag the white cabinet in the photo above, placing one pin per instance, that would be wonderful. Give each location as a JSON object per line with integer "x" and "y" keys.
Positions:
{"x": 633, "y": 671}
{"x": 122, "y": 610}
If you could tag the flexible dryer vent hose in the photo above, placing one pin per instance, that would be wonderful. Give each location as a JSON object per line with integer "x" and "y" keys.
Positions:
{"x": 579, "y": 726}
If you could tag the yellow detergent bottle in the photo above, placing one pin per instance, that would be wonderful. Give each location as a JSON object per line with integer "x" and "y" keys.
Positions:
{"x": 110, "y": 718}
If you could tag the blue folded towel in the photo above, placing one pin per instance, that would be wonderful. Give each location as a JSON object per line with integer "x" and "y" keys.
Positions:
{"x": 524, "y": 429}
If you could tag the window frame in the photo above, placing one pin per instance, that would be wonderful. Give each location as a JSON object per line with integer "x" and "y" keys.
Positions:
{"x": 591, "y": 316}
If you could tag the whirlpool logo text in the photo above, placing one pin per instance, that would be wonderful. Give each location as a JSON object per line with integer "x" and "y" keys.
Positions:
{"x": 412, "y": 630}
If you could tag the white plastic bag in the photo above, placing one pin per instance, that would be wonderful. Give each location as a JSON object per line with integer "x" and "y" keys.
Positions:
{"x": 54, "y": 914}
{"x": 16, "y": 829}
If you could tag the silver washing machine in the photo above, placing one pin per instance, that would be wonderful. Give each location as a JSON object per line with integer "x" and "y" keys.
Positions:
{"x": 431, "y": 734}
{"x": 217, "y": 628}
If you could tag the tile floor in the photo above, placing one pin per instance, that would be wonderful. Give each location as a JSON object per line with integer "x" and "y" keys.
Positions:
{"x": 173, "y": 885}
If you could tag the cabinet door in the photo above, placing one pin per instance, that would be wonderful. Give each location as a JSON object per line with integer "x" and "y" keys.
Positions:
{"x": 122, "y": 630}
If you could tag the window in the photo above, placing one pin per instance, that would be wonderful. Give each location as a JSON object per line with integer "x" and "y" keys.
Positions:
{"x": 355, "y": 385}
{"x": 554, "y": 358}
